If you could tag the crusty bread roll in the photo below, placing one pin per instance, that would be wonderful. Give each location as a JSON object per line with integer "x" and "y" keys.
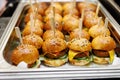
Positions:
{"x": 58, "y": 25}
{"x": 58, "y": 9}
{"x": 37, "y": 16}
{"x": 42, "y": 6}
{"x": 81, "y": 45}
{"x": 76, "y": 33}
{"x": 99, "y": 30}
{"x": 58, "y": 21}
{"x": 86, "y": 6}
{"x": 91, "y": 20}
{"x": 67, "y": 17}
{"x": 34, "y": 40}
{"x": 70, "y": 23}
{"x": 26, "y": 53}
{"x": 50, "y": 34}
{"x": 103, "y": 43}
{"x": 36, "y": 23}
{"x": 35, "y": 29}
{"x": 58, "y": 17}
{"x": 53, "y": 45}
{"x": 69, "y": 9}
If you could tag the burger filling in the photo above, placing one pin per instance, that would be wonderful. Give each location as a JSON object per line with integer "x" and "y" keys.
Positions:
{"x": 35, "y": 65}
{"x": 79, "y": 55}
{"x": 101, "y": 53}
{"x": 104, "y": 54}
{"x": 23, "y": 64}
{"x": 56, "y": 55}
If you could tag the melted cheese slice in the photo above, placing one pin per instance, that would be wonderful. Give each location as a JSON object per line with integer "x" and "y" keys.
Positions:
{"x": 111, "y": 54}
{"x": 71, "y": 55}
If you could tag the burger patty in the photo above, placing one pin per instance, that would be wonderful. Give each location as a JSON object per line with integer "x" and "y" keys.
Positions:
{"x": 55, "y": 55}
{"x": 82, "y": 54}
{"x": 101, "y": 53}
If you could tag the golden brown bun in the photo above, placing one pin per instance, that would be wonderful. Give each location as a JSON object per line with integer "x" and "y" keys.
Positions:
{"x": 79, "y": 62}
{"x": 75, "y": 34}
{"x": 34, "y": 40}
{"x": 67, "y": 17}
{"x": 55, "y": 62}
{"x": 86, "y": 7}
{"x": 81, "y": 45}
{"x": 50, "y": 34}
{"x": 36, "y": 23}
{"x": 53, "y": 45}
{"x": 26, "y": 53}
{"x": 100, "y": 60}
{"x": 35, "y": 29}
{"x": 58, "y": 21}
{"x": 58, "y": 17}
{"x": 67, "y": 7}
{"x": 58, "y": 9}
{"x": 37, "y": 16}
{"x": 70, "y": 24}
{"x": 42, "y": 6}
{"x": 103, "y": 43}
{"x": 90, "y": 19}
{"x": 58, "y": 25}
{"x": 99, "y": 30}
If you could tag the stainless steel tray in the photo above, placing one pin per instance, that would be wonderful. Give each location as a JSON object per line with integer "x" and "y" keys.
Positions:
{"x": 3, "y": 23}
{"x": 8, "y": 71}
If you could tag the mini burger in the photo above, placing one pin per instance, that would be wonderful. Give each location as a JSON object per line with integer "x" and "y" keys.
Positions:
{"x": 58, "y": 21}
{"x": 69, "y": 8}
{"x": 49, "y": 34}
{"x": 86, "y": 6}
{"x": 26, "y": 53}
{"x": 103, "y": 49}
{"x": 76, "y": 33}
{"x": 54, "y": 52}
{"x": 37, "y": 16}
{"x": 42, "y": 6}
{"x": 79, "y": 51}
{"x": 33, "y": 39}
{"x": 96, "y": 30}
{"x": 70, "y": 23}
{"x": 58, "y": 8}
{"x": 36, "y": 29}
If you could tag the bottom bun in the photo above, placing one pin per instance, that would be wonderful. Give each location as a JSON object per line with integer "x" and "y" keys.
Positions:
{"x": 55, "y": 62}
{"x": 79, "y": 62}
{"x": 23, "y": 64}
{"x": 37, "y": 64}
{"x": 100, "y": 60}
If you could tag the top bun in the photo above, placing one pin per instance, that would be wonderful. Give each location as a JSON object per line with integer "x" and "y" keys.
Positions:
{"x": 67, "y": 7}
{"x": 26, "y": 53}
{"x": 50, "y": 34}
{"x": 58, "y": 8}
{"x": 53, "y": 45}
{"x": 99, "y": 30}
{"x": 103, "y": 43}
{"x": 34, "y": 40}
{"x": 87, "y": 7}
{"x": 76, "y": 33}
{"x": 81, "y": 45}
